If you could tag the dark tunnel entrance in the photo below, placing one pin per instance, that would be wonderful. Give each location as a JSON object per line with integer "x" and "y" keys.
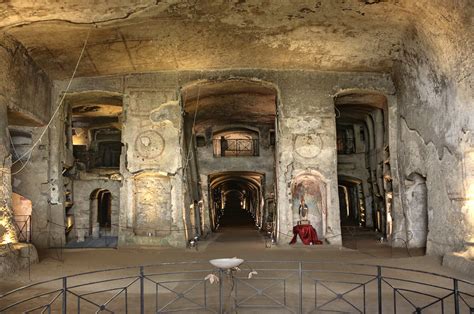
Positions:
{"x": 236, "y": 199}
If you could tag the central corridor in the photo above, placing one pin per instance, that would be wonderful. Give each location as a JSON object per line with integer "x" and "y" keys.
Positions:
{"x": 237, "y": 226}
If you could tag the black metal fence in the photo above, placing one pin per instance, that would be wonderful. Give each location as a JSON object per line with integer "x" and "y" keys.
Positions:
{"x": 278, "y": 287}
{"x": 236, "y": 147}
{"x": 23, "y": 227}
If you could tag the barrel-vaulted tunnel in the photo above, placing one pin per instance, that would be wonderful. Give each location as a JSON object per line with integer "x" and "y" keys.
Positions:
{"x": 364, "y": 173}
{"x": 236, "y": 199}
{"x": 230, "y": 144}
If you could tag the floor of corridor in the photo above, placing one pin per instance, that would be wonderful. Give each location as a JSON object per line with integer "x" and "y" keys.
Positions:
{"x": 237, "y": 227}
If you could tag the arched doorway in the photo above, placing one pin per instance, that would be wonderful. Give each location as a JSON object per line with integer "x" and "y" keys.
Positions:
{"x": 100, "y": 213}
{"x": 229, "y": 142}
{"x": 237, "y": 198}
{"x": 351, "y": 202}
{"x": 311, "y": 187}
{"x": 363, "y": 153}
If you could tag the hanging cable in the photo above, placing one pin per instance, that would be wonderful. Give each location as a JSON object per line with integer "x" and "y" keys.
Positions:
{"x": 338, "y": 113}
{"x": 30, "y": 151}
{"x": 14, "y": 149}
{"x": 188, "y": 157}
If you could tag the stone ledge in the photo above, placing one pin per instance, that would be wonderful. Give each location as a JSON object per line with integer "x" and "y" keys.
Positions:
{"x": 15, "y": 257}
{"x": 460, "y": 261}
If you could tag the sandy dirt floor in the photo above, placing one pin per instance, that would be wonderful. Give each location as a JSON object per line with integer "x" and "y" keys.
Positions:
{"x": 236, "y": 239}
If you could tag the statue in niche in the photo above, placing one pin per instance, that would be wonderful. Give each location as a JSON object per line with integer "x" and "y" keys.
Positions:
{"x": 303, "y": 212}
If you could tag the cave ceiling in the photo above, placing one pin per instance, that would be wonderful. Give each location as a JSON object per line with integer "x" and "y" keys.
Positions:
{"x": 129, "y": 36}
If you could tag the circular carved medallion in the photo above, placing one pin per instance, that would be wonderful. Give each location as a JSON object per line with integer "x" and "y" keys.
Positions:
{"x": 308, "y": 145}
{"x": 149, "y": 144}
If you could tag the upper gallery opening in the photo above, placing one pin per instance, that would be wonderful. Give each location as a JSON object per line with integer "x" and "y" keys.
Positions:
{"x": 96, "y": 129}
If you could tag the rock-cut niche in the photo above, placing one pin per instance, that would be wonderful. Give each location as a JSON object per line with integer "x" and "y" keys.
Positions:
{"x": 416, "y": 204}
{"x": 313, "y": 189}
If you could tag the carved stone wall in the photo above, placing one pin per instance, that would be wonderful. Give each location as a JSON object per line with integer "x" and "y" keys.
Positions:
{"x": 152, "y": 136}
{"x": 151, "y": 131}
{"x": 152, "y": 205}
{"x": 84, "y": 215}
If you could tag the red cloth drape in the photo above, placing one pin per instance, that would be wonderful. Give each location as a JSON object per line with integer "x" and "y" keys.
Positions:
{"x": 307, "y": 235}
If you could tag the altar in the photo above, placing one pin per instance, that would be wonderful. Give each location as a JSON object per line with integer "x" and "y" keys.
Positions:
{"x": 307, "y": 234}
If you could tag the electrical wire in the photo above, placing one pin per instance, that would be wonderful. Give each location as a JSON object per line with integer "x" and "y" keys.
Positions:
{"x": 14, "y": 148}
{"x": 190, "y": 150}
{"x": 338, "y": 114}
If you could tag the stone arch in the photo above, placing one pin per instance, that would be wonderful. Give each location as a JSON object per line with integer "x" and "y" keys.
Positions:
{"x": 100, "y": 211}
{"x": 199, "y": 93}
{"x": 362, "y": 127}
{"x": 236, "y": 138}
{"x": 311, "y": 185}
{"x": 368, "y": 97}
{"x": 222, "y": 103}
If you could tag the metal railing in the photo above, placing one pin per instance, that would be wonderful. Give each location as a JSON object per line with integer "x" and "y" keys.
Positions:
{"x": 236, "y": 147}
{"x": 279, "y": 287}
{"x": 23, "y": 227}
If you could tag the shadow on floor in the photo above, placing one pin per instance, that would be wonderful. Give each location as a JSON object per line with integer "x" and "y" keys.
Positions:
{"x": 102, "y": 242}
{"x": 368, "y": 242}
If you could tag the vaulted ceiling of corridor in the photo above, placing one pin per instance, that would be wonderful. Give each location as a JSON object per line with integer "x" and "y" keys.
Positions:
{"x": 233, "y": 101}
{"x": 236, "y": 181}
{"x": 95, "y": 109}
{"x": 147, "y": 35}
{"x": 354, "y": 107}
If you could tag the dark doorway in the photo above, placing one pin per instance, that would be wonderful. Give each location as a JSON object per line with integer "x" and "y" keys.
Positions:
{"x": 351, "y": 211}
{"x": 104, "y": 209}
{"x": 236, "y": 199}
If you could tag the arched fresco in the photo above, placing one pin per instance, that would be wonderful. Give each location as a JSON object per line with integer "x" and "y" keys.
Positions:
{"x": 311, "y": 186}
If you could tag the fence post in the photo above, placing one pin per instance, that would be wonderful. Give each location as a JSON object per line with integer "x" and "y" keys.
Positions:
{"x": 456, "y": 296}
{"x": 142, "y": 291}
{"x": 300, "y": 276}
{"x": 64, "y": 303}
{"x": 379, "y": 288}
{"x": 221, "y": 294}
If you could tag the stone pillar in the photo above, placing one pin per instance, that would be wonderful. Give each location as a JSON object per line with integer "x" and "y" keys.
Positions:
{"x": 56, "y": 215}
{"x": 205, "y": 206}
{"x": 7, "y": 229}
{"x": 468, "y": 207}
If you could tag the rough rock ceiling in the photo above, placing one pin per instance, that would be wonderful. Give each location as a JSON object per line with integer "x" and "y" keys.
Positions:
{"x": 354, "y": 107}
{"x": 95, "y": 109}
{"x": 129, "y": 36}
{"x": 229, "y": 102}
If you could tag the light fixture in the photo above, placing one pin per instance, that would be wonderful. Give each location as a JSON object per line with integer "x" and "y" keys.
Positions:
{"x": 9, "y": 235}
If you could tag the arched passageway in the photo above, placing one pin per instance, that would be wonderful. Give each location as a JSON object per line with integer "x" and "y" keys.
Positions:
{"x": 351, "y": 202}
{"x": 237, "y": 205}
{"x": 101, "y": 212}
{"x": 230, "y": 144}
{"x": 364, "y": 174}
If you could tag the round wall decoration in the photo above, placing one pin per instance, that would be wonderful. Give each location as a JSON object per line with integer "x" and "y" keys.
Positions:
{"x": 149, "y": 144}
{"x": 308, "y": 145}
